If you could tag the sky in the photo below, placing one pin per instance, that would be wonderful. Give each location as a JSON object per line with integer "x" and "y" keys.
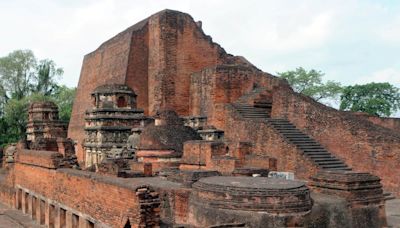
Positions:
{"x": 351, "y": 41}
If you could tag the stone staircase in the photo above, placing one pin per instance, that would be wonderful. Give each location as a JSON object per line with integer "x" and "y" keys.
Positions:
{"x": 310, "y": 148}
{"x": 256, "y": 111}
{"x": 307, "y": 145}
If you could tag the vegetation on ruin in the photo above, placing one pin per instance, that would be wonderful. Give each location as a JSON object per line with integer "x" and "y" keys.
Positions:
{"x": 23, "y": 79}
{"x": 378, "y": 99}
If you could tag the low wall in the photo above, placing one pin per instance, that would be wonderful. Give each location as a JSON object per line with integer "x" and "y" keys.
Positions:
{"x": 364, "y": 146}
{"x": 99, "y": 199}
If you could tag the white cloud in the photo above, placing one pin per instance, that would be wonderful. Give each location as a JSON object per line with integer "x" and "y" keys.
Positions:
{"x": 390, "y": 75}
{"x": 391, "y": 31}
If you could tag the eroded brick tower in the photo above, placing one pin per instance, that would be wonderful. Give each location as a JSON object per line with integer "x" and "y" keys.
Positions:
{"x": 44, "y": 126}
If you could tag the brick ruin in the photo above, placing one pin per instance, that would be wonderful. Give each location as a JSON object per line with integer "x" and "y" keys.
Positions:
{"x": 169, "y": 130}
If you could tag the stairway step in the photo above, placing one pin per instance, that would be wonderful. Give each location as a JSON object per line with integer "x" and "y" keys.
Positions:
{"x": 332, "y": 159}
{"x": 291, "y": 131}
{"x": 253, "y": 113}
{"x": 253, "y": 110}
{"x": 294, "y": 135}
{"x": 339, "y": 168}
{"x": 306, "y": 144}
{"x": 329, "y": 163}
{"x": 285, "y": 127}
{"x": 319, "y": 157}
{"x": 309, "y": 146}
{"x": 299, "y": 139}
{"x": 314, "y": 150}
{"x": 315, "y": 155}
{"x": 334, "y": 166}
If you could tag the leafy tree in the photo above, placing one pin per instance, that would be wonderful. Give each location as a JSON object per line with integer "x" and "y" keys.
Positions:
{"x": 64, "y": 98}
{"x": 378, "y": 99}
{"x": 17, "y": 72}
{"x": 16, "y": 115}
{"x": 310, "y": 83}
{"x": 46, "y": 76}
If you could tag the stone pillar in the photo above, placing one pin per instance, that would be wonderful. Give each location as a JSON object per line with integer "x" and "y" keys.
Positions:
{"x": 31, "y": 206}
{"x": 68, "y": 220}
{"x": 84, "y": 223}
{"x": 24, "y": 202}
{"x": 50, "y": 215}
{"x": 18, "y": 200}
{"x": 60, "y": 217}
{"x": 37, "y": 209}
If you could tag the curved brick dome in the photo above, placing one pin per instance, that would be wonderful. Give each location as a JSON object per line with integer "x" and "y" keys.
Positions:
{"x": 166, "y": 137}
{"x": 253, "y": 194}
{"x": 168, "y": 117}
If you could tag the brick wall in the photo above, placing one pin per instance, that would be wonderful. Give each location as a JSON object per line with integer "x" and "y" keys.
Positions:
{"x": 108, "y": 64}
{"x": 361, "y": 144}
{"x": 105, "y": 199}
{"x": 388, "y": 122}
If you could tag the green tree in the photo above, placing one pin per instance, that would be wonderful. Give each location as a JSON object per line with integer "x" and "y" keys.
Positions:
{"x": 378, "y": 99}
{"x": 17, "y": 71}
{"x": 46, "y": 75}
{"x": 310, "y": 84}
{"x": 15, "y": 115}
{"x": 64, "y": 98}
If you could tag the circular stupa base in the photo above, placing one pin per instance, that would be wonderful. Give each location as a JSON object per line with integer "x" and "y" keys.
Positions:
{"x": 256, "y": 201}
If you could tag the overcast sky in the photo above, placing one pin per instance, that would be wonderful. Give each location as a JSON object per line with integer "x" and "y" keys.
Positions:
{"x": 351, "y": 41}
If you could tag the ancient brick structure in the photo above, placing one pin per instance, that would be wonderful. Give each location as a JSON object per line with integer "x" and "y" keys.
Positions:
{"x": 362, "y": 191}
{"x": 44, "y": 126}
{"x": 183, "y": 134}
{"x": 161, "y": 143}
{"x": 257, "y": 202}
{"x": 109, "y": 123}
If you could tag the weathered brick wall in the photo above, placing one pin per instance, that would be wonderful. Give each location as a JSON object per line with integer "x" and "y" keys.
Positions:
{"x": 7, "y": 190}
{"x": 361, "y": 144}
{"x": 177, "y": 48}
{"x": 391, "y": 123}
{"x": 108, "y": 64}
{"x": 106, "y": 199}
{"x": 136, "y": 76}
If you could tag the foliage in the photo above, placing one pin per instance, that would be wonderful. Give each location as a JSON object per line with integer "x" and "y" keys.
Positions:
{"x": 16, "y": 117}
{"x": 24, "y": 79}
{"x": 47, "y": 72}
{"x": 310, "y": 83}
{"x": 378, "y": 99}
{"x": 17, "y": 72}
{"x": 64, "y": 98}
